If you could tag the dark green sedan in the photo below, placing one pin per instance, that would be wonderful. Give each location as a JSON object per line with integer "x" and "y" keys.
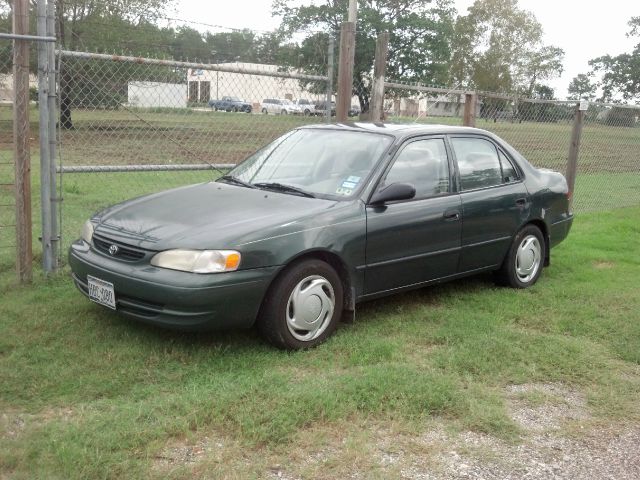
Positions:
{"x": 319, "y": 220}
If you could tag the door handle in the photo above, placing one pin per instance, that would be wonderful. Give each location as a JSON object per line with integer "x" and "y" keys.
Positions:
{"x": 521, "y": 202}
{"x": 451, "y": 215}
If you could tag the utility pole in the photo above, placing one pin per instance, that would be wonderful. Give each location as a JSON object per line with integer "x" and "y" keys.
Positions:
{"x": 376, "y": 108}
{"x": 21, "y": 136}
{"x": 345, "y": 65}
{"x": 353, "y": 11}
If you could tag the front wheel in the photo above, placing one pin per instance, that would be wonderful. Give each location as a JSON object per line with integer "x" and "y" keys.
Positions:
{"x": 264, "y": 110}
{"x": 283, "y": 112}
{"x": 303, "y": 307}
{"x": 523, "y": 265}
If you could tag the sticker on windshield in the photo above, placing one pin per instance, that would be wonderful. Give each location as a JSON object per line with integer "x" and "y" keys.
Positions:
{"x": 353, "y": 179}
{"x": 350, "y": 185}
{"x": 344, "y": 191}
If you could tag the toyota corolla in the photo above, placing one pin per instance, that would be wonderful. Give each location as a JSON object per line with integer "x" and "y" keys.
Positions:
{"x": 323, "y": 218}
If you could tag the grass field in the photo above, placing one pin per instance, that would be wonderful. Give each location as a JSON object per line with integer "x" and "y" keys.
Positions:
{"x": 87, "y": 394}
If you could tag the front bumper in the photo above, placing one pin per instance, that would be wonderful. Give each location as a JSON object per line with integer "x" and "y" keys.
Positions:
{"x": 172, "y": 299}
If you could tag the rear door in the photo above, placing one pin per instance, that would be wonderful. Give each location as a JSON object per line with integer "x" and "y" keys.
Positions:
{"x": 414, "y": 241}
{"x": 495, "y": 201}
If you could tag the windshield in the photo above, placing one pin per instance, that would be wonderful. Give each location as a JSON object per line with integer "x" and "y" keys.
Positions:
{"x": 321, "y": 162}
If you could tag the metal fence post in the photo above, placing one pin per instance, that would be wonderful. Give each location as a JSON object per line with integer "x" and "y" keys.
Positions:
{"x": 330, "y": 60}
{"x": 21, "y": 135}
{"x": 345, "y": 70}
{"x": 43, "y": 108}
{"x": 574, "y": 149}
{"x": 377, "y": 97}
{"x": 55, "y": 206}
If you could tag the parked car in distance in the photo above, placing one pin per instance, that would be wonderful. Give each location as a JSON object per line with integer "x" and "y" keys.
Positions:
{"x": 230, "y": 104}
{"x": 321, "y": 219}
{"x": 354, "y": 111}
{"x": 305, "y": 107}
{"x": 321, "y": 108}
{"x": 279, "y": 106}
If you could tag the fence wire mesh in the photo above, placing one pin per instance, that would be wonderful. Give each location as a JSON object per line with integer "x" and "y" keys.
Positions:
{"x": 156, "y": 115}
{"x": 609, "y": 159}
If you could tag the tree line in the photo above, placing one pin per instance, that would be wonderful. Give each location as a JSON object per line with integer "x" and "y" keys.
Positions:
{"x": 496, "y": 46}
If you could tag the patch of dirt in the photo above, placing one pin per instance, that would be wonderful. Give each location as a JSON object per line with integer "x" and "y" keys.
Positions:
{"x": 559, "y": 441}
{"x": 554, "y": 406}
{"x": 541, "y": 410}
{"x": 602, "y": 265}
{"x": 13, "y": 424}
{"x": 184, "y": 452}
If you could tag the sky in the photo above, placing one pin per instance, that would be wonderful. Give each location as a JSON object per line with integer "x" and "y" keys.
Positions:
{"x": 581, "y": 29}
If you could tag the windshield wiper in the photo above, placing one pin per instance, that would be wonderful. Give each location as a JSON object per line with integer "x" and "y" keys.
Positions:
{"x": 236, "y": 180}
{"x": 284, "y": 188}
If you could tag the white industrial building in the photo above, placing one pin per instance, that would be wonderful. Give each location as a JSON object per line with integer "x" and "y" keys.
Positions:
{"x": 157, "y": 94}
{"x": 205, "y": 85}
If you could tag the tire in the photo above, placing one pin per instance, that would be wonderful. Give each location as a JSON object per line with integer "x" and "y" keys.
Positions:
{"x": 307, "y": 112}
{"x": 311, "y": 288}
{"x": 525, "y": 259}
{"x": 264, "y": 110}
{"x": 234, "y": 109}
{"x": 283, "y": 112}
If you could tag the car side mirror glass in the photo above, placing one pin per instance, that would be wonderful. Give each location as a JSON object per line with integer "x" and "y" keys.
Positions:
{"x": 393, "y": 192}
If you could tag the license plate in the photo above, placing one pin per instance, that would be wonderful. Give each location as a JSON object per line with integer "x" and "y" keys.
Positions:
{"x": 101, "y": 292}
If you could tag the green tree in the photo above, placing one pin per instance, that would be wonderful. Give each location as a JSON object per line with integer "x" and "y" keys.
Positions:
{"x": 621, "y": 74}
{"x": 103, "y": 26}
{"x": 498, "y": 47}
{"x": 419, "y": 44}
{"x": 582, "y": 88}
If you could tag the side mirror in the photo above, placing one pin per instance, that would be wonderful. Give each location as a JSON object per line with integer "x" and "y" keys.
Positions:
{"x": 393, "y": 192}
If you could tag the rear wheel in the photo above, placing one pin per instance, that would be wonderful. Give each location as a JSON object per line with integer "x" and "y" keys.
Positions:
{"x": 303, "y": 307}
{"x": 523, "y": 265}
{"x": 283, "y": 112}
{"x": 264, "y": 110}
{"x": 234, "y": 109}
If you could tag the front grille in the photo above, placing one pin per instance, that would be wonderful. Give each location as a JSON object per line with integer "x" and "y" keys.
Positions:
{"x": 125, "y": 252}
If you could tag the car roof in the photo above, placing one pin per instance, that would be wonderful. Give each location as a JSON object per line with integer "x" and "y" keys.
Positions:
{"x": 397, "y": 130}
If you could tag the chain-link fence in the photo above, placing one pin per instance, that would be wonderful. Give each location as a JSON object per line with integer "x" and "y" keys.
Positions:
{"x": 131, "y": 126}
{"x": 609, "y": 159}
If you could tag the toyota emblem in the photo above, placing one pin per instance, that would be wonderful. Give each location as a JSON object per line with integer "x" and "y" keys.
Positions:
{"x": 113, "y": 250}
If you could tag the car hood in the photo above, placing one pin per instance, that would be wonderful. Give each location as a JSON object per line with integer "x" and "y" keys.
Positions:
{"x": 209, "y": 216}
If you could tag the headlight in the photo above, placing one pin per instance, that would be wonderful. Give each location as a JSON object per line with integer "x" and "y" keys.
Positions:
{"x": 87, "y": 231}
{"x": 198, "y": 261}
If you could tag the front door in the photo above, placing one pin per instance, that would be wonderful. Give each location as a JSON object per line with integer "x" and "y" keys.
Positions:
{"x": 412, "y": 242}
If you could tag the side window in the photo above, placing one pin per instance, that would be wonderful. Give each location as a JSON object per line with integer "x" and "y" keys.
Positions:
{"x": 423, "y": 164}
{"x": 478, "y": 163}
{"x": 509, "y": 173}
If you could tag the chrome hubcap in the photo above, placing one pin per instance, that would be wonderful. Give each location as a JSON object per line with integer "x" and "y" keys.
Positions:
{"x": 310, "y": 308}
{"x": 528, "y": 258}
